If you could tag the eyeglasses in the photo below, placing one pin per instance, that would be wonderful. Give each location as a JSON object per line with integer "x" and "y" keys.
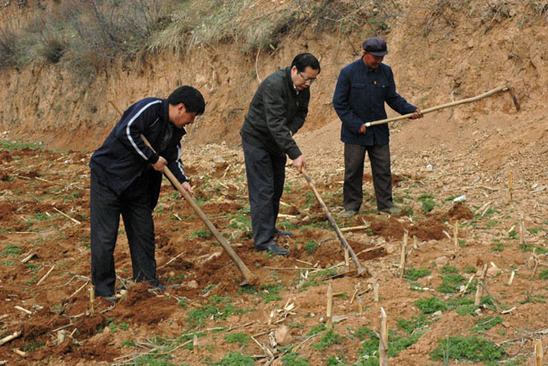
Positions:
{"x": 307, "y": 80}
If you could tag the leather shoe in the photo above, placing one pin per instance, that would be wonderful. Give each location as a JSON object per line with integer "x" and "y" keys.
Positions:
{"x": 275, "y": 249}
{"x": 113, "y": 299}
{"x": 283, "y": 233}
{"x": 349, "y": 213}
{"x": 160, "y": 288}
{"x": 390, "y": 211}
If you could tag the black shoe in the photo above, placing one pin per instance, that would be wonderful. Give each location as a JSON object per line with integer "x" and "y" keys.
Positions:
{"x": 160, "y": 288}
{"x": 390, "y": 211}
{"x": 275, "y": 249}
{"x": 349, "y": 213}
{"x": 283, "y": 233}
{"x": 113, "y": 299}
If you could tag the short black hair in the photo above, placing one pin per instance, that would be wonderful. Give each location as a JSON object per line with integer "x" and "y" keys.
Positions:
{"x": 302, "y": 60}
{"x": 190, "y": 97}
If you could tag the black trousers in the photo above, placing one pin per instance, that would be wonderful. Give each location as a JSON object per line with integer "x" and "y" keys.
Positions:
{"x": 134, "y": 204}
{"x": 265, "y": 183}
{"x": 354, "y": 158}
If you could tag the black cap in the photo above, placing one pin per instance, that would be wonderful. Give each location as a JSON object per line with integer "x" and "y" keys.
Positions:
{"x": 375, "y": 46}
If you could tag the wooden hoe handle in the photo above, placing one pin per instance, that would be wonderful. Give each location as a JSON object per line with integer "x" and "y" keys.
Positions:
{"x": 248, "y": 275}
{"x": 447, "y": 105}
{"x": 361, "y": 269}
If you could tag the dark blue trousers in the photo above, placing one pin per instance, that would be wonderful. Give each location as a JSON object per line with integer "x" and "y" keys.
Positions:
{"x": 354, "y": 158}
{"x": 265, "y": 183}
{"x": 134, "y": 204}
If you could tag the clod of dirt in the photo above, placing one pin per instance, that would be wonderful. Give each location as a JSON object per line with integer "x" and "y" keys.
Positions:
{"x": 460, "y": 212}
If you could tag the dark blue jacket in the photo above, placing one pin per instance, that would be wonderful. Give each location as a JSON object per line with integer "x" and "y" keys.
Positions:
{"x": 124, "y": 155}
{"x": 359, "y": 97}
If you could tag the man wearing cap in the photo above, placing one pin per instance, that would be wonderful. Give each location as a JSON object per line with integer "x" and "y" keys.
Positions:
{"x": 362, "y": 89}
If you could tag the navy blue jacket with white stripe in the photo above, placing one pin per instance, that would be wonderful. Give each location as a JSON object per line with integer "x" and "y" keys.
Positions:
{"x": 124, "y": 155}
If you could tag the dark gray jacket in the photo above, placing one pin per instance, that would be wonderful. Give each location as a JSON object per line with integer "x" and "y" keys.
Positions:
{"x": 275, "y": 113}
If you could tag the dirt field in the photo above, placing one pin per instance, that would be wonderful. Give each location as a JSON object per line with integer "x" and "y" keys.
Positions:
{"x": 487, "y": 154}
{"x": 44, "y": 256}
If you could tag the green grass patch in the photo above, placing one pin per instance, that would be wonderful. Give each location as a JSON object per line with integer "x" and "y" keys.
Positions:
{"x": 33, "y": 346}
{"x": 327, "y": 340}
{"x": 235, "y": 359}
{"x": 217, "y": 308}
{"x": 11, "y": 251}
{"x": 487, "y": 323}
{"x": 292, "y": 359}
{"x": 450, "y": 283}
{"x": 449, "y": 269}
{"x": 370, "y": 344}
{"x": 316, "y": 329}
{"x": 311, "y": 246}
{"x": 416, "y": 322}
{"x": 18, "y": 144}
{"x": 532, "y": 298}
{"x": 239, "y": 338}
{"x": 467, "y": 349}
{"x": 430, "y": 305}
{"x": 202, "y": 233}
{"x": 414, "y": 274}
{"x": 427, "y": 201}
{"x": 128, "y": 343}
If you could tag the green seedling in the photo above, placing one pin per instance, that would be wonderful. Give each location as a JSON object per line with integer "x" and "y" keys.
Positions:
{"x": 467, "y": 349}
{"x": 414, "y": 274}
{"x": 239, "y": 338}
{"x": 292, "y": 359}
{"x": 235, "y": 359}
{"x": 430, "y": 305}
{"x": 11, "y": 250}
{"x": 485, "y": 324}
{"x": 328, "y": 339}
{"x": 311, "y": 246}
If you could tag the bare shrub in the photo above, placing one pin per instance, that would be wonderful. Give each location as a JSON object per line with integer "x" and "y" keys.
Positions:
{"x": 9, "y": 48}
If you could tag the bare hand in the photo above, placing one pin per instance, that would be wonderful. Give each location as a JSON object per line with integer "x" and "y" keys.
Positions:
{"x": 160, "y": 164}
{"x": 362, "y": 129}
{"x": 300, "y": 163}
{"x": 187, "y": 188}
{"x": 417, "y": 114}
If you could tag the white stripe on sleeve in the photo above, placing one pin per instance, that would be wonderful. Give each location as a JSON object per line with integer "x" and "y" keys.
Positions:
{"x": 129, "y": 126}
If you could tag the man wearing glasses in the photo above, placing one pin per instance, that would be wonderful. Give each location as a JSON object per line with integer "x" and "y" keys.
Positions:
{"x": 362, "y": 89}
{"x": 276, "y": 112}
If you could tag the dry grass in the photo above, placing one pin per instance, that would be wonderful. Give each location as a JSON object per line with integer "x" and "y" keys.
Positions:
{"x": 86, "y": 36}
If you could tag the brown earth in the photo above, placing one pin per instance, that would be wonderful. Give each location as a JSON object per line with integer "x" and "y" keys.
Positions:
{"x": 468, "y": 150}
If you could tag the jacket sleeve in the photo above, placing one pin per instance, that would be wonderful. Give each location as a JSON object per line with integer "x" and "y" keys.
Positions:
{"x": 173, "y": 156}
{"x": 341, "y": 103}
{"x": 276, "y": 120}
{"x": 134, "y": 122}
{"x": 394, "y": 100}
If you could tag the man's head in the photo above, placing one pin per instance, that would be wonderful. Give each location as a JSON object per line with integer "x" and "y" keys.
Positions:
{"x": 185, "y": 103}
{"x": 304, "y": 70}
{"x": 374, "y": 50}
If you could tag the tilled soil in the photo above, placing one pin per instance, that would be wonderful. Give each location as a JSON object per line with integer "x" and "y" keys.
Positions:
{"x": 44, "y": 257}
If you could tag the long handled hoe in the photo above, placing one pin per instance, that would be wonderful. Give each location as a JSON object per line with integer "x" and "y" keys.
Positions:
{"x": 361, "y": 269}
{"x": 452, "y": 104}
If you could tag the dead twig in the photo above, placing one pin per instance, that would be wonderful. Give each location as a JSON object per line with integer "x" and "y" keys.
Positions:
{"x": 46, "y": 275}
{"x": 9, "y": 338}
{"x": 67, "y": 216}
